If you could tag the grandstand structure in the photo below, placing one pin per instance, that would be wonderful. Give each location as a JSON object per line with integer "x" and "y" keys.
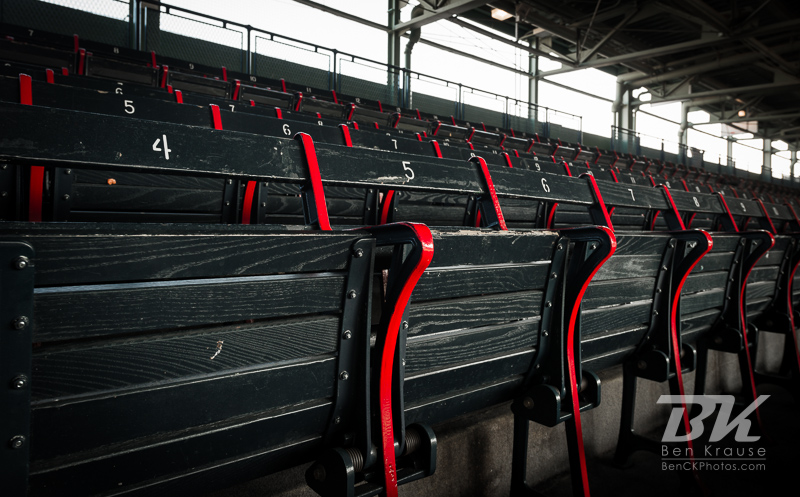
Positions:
{"x": 238, "y": 262}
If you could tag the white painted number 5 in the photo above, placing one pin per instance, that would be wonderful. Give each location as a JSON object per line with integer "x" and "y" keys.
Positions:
{"x": 129, "y": 109}
{"x": 408, "y": 170}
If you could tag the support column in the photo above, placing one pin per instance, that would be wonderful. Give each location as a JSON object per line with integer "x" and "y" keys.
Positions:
{"x": 793, "y": 160}
{"x": 393, "y": 54}
{"x": 623, "y": 140}
{"x": 683, "y": 133}
{"x": 766, "y": 169}
{"x": 731, "y": 166}
{"x": 533, "y": 86}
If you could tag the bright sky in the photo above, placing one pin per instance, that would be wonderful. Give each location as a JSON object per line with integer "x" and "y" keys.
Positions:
{"x": 291, "y": 19}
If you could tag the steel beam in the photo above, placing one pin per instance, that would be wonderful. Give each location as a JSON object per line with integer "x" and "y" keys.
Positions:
{"x": 610, "y": 34}
{"x": 706, "y": 41}
{"x": 754, "y": 118}
{"x": 451, "y": 8}
{"x": 768, "y": 87}
{"x": 635, "y": 80}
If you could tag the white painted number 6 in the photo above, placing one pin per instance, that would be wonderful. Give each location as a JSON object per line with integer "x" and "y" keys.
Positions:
{"x": 286, "y": 130}
{"x": 409, "y": 170}
{"x": 545, "y": 185}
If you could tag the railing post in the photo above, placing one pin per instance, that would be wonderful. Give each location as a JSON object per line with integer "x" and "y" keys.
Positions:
{"x": 133, "y": 24}
{"x": 249, "y": 59}
{"x": 332, "y": 79}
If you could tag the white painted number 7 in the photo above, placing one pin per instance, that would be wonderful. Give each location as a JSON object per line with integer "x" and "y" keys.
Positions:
{"x": 166, "y": 148}
{"x": 632, "y": 197}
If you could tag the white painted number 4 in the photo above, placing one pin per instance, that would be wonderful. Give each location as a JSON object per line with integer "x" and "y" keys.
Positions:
{"x": 166, "y": 147}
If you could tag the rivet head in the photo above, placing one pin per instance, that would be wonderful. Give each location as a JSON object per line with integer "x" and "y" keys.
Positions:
{"x": 16, "y": 442}
{"x": 655, "y": 313}
{"x": 263, "y": 204}
{"x": 741, "y": 242}
{"x": 21, "y": 262}
{"x": 663, "y": 268}
{"x": 545, "y": 333}
{"x": 594, "y": 246}
{"x": 66, "y": 196}
{"x": 559, "y": 247}
{"x": 672, "y": 244}
{"x": 227, "y": 202}
{"x": 548, "y": 304}
{"x": 730, "y": 279}
{"x": 347, "y": 335}
{"x": 230, "y": 181}
{"x": 68, "y": 171}
{"x": 344, "y": 375}
{"x": 264, "y": 183}
{"x": 527, "y": 402}
{"x": 20, "y": 322}
{"x": 658, "y": 290}
{"x": 351, "y": 294}
{"x": 641, "y": 365}
{"x": 19, "y": 381}
{"x": 337, "y": 420}
{"x": 553, "y": 275}
{"x": 405, "y": 325}
{"x": 358, "y": 252}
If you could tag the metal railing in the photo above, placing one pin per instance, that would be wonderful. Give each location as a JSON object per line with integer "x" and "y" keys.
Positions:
{"x": 638, "y": 143}
{"x": 203, "y": 39}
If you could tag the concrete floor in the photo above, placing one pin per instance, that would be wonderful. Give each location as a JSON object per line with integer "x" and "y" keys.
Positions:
{"x": 474, "y": 451}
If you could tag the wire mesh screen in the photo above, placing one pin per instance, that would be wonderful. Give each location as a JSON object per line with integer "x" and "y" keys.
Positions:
{"x": 526, "y": 118}
{"x": 105, "y": 21}
{"x": 564, "y": 126}
{"x": 625, "y": 141}
{"x": 365, "y": 79}
{"x": 433, "y": 96}
{"x": 305, "y": 65}
{"x": 173, "y": 33}
{"x": 486, "y": 108}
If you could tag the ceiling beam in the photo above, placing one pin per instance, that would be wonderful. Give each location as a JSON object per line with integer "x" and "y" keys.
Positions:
{"x": 453, "y": 7}
{"x": 634, "y": 80}
{"x": 624, "y": 22}
{"x": 705, "y": 41}
{"x": 471, "y": 56}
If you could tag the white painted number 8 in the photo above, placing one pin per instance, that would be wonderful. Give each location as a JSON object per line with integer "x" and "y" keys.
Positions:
{"x": 744, "y": 209}
{"x": 696, "y": 203}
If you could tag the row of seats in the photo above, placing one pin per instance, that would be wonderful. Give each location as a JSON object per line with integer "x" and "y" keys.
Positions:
{"x": 206, "y": 288}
